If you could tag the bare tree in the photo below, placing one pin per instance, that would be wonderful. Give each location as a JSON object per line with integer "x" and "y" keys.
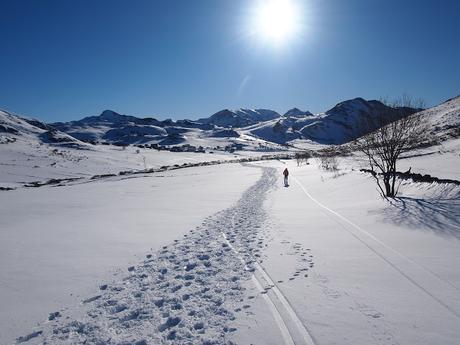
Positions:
{"x": 398, "y": 131}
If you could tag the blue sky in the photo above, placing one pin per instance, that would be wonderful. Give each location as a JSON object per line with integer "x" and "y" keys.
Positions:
{"x": 65, "y": 59}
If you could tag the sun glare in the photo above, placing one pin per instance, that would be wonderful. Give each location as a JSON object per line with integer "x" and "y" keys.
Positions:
{"x": 276, "y": 21}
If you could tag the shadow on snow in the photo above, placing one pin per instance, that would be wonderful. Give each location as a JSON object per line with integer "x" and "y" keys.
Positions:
{"x": 440, "y": 214}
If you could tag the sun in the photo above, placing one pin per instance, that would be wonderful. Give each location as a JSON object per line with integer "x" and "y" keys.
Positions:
{"x": 276, "y": 21}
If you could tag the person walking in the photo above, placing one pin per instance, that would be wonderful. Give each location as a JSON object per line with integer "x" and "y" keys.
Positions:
{"x": 286, "y": 174}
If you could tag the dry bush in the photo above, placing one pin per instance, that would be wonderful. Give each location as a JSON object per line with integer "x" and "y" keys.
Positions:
{"x": 327, "y": 159}
{"x": 302, "y": 157}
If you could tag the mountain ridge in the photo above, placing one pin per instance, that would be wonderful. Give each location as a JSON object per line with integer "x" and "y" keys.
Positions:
{"x": 338, "y": 125}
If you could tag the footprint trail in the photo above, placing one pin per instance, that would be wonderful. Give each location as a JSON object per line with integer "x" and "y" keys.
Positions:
{"x": 189, "y": 292}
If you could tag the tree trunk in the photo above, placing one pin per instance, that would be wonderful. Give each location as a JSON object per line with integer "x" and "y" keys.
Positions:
{"x": 393, "y": 179}
{"x": 386, "y": 182}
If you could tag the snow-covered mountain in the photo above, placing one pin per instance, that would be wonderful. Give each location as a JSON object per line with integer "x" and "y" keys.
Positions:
{"x": 296, "y": 112}
{"x": 340, "y": 124}
{"x": 112, "y": 127}
{"x": 344, "y": 122}
{"x": 13, "y": 127}
{"x": 240, "y": 118}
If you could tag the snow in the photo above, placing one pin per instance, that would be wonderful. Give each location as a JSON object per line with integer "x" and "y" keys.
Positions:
{"x": 446, "y": 156}
{"x": 343, "y": 122}
{"x": 59, "y": 244}
{"x": 322, "y": 261}
{"x": 339, "y": 125}
{"x": 16, "y": 124}
{"x": 444, "y": 118}
{"x": 225, "y": 254}
{"x": 256, "y": 128}
{"x": 27, "y": 160}
{"x": 277, "y": 131}
{"x": 33, "y": 130}
{"x": 381, "y": 274}
{"x": 240, "y": 117}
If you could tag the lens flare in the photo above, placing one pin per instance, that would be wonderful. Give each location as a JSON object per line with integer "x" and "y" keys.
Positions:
{"x": 276, "y": 21}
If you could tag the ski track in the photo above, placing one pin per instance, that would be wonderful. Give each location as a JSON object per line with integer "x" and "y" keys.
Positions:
{"x": 285, "y": 334}
{"x": 417, "y": 275}
{"x": 188, "y": 292}
{"x": 292, "y": 329}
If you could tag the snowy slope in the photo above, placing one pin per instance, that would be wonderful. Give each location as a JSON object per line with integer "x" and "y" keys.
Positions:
{"x": 14, "y": 128}
{"x": 278, "y": 131}
{"x": 13, "y": 124}
{"x": 445, "y": 119}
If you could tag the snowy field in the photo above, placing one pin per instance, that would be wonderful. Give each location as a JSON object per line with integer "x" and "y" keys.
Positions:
{"x": 226, "y": 254}
{"x": 28, "y": 161}
{"x": 59, "y": 243}
{"x": 383, "y": 274}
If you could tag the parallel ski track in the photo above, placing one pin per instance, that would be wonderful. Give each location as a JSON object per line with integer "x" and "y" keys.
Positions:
{"x": 293, "y": 331}
{"x": 383, "y": 257}
{"x": 277, "y": 305}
